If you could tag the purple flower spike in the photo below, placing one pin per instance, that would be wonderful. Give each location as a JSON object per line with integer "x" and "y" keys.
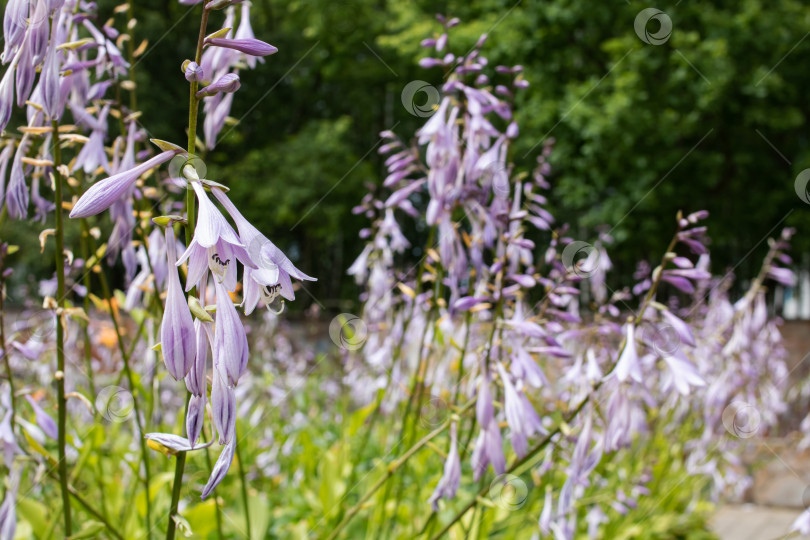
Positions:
{"x": 194, "y": 73}
{"x": 489, "y": 445}
{"x": 628, "y": 364}
{"x": 44, "y": 421}
{"x": 253, "y": 47}
{"x": 220, "y": 469}
{"x": 448, "y": 484}
{"x": 177, "y": 336}
{"x": 227, "y": 83}
{"x": 103, "y": 194}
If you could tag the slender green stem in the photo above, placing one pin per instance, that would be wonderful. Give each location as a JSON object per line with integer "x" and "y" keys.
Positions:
{"x": 59, "y": 256}
{"x": 126, "y": 356}
{"x": 190, "y": 217}
{"x": 178, "y": 483}
{"x": 391, "y": 470}
{"x": 243, "y": 483}
{"x": 90, "y": 510}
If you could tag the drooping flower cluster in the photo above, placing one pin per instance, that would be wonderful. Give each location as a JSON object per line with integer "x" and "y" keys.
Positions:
{"x": 226, "y": 53}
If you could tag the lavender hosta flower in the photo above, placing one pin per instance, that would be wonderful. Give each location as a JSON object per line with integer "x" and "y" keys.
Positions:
{"x": 8, "y": 510}
{"x": 216, "y": 111}
{"x": 249, "y": 46}
{"x": 628, "y": 365}
{"x": 101, "y": 195}
{"x": 215, "y": 246}
{"x": 245, "y": 32}
{"x": 44, "y": 421}
{"x": 195, "y": 379}
{"x": 177, "y": 336}
{"x": 227, "y": 83}
{"x": 17, "y": 196}
{"x": 230, "y": 339}
{"x": 451, "y": 477}
{"x": 6, "y": 96}
{"x": 523, "y": 420}
{"x": 488, "y": 445}
{"x": 802, "y": 523}
{"x": 684, "y": 374}
{"x": 220, "y": 469}
{"x": 26, "y": 72}
{"x": 175, "y": 443}
{"x": 8, "y": 442}
{"x": 92, "y": 155}
{"x": 50, "y": 88}
{"x": 681, "y": 328}
{"x": 273, "y": 267}
{"x": 14, "y": 26}
{"x": 195, "y": 418}
{"x": 223, "y": 404}
{"x": 5, "y": 159}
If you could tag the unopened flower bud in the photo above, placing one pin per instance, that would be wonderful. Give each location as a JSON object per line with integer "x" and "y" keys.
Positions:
{"x": 194, "y": 73}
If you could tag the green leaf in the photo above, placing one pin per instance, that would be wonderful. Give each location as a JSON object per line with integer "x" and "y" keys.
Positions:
{"x": 34, "y": 513}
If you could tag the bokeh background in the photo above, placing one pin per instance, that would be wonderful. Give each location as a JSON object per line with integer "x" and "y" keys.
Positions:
{"x": 713, "y": 117}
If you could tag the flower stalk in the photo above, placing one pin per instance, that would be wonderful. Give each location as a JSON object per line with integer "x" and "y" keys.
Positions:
{"x": 60, "y": 331}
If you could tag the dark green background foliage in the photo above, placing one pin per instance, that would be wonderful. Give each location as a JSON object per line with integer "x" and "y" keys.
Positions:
{"x": 684, "y": 125}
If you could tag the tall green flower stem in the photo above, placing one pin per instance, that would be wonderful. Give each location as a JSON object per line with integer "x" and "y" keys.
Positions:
{"x": 193, "y": 107}
{"x": 59, "y": 255}
{"x": 392, "y": 468}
